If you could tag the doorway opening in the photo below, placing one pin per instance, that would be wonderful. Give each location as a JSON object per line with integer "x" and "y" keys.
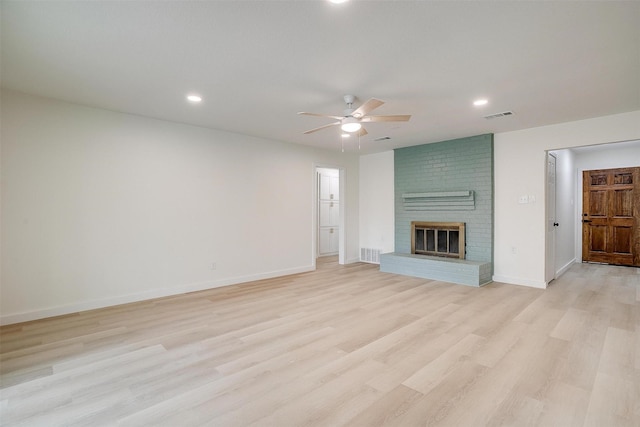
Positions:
{"x": 329, "y": 230}
{"x": 571, "y": 164}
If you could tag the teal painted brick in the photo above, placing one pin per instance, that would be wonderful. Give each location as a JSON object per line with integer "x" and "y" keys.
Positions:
{"x": 461, "y": 164}
{"x": 463, "y": 272}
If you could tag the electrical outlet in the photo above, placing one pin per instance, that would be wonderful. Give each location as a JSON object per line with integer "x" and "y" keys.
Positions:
{"x": 514, "y": 250}
{"x": 213, "y": 266}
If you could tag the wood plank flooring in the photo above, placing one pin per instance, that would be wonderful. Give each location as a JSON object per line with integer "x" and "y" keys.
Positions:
{"x": 344, "y": 345}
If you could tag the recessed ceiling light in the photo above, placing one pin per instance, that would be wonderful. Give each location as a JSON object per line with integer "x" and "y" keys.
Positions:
{"x": 480, "y": 102}
{"x": 338, "y": 1}
{"x": 194, "y": 98}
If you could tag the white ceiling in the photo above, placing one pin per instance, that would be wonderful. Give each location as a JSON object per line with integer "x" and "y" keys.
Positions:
{"x": 257, "y": 63}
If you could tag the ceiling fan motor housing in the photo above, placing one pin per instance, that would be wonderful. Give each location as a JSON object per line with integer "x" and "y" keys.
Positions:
{"x": 349, "y": 99}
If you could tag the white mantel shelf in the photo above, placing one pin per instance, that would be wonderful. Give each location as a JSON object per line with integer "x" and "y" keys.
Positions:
{"x": 439, "y": 201}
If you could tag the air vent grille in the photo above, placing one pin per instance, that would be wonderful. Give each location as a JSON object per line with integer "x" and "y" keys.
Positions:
{"x": 382, "y": 138}
{"x": 496, "y": 115}
{"x": 370, "y": 255}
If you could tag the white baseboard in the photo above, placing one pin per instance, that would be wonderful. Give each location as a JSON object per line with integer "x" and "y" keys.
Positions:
{"x": 520, "y": 281}
{"x": 144, "y": 296}
{"x": 564, "y": 269}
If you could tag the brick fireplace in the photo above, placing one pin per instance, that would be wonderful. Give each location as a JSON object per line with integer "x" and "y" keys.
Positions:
{"x": 444, "y": 211}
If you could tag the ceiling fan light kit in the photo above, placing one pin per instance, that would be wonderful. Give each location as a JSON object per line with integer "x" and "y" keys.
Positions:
{"x": 350, "y": 124}
{"x": 351, "y": 120}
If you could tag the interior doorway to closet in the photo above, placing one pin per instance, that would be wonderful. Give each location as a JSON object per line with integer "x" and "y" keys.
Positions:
{"x": 329, "y": 210}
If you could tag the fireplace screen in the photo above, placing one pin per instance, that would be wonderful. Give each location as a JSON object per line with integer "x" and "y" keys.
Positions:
{"x": 438, "y": 238}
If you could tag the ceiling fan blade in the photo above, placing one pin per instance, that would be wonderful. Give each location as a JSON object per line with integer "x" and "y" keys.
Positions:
{"x": 320, "y": 115}
{"x": 362, "y": 132}
{"x": 397, "y": 118}
{"x": 365, "y": 108}
{"x": 321, "y": 127}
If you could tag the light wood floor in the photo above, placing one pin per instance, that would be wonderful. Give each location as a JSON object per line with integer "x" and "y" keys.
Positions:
{"x": 345, "y": 345}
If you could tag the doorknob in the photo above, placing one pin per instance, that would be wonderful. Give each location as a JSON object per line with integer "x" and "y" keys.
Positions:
{"x": 586, "y": 220}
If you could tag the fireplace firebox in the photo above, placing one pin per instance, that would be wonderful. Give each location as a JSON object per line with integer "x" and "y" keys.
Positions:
{"x": 445, "y": 239}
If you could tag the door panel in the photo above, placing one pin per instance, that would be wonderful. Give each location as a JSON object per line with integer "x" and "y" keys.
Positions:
{"x": 622, "y": 203}
{"x": 598, "y": 178}
{"x": 611, "y": 216}
{"x": 622, "y": 240}
{"x": 623, "y": 178}
{"x": 550, "y": 262}
{"x": 598, "y": 238}
{"x": 598, "y": 203}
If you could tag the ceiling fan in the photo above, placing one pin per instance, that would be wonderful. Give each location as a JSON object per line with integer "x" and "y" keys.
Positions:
{"x": 351, "y": 121}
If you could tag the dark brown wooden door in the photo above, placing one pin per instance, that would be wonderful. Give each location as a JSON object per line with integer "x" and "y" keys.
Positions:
{"x": 611, "y": 216}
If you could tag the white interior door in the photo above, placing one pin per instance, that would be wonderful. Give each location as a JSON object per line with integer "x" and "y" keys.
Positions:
{"x": 550, "y": 263}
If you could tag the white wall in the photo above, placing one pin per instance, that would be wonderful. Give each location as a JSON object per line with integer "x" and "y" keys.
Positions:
{"x": 610, "y": 156}
{"x": 519, "y": 170}
{"x": 377, "y": 202}
{"x": 100, "y": 208}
